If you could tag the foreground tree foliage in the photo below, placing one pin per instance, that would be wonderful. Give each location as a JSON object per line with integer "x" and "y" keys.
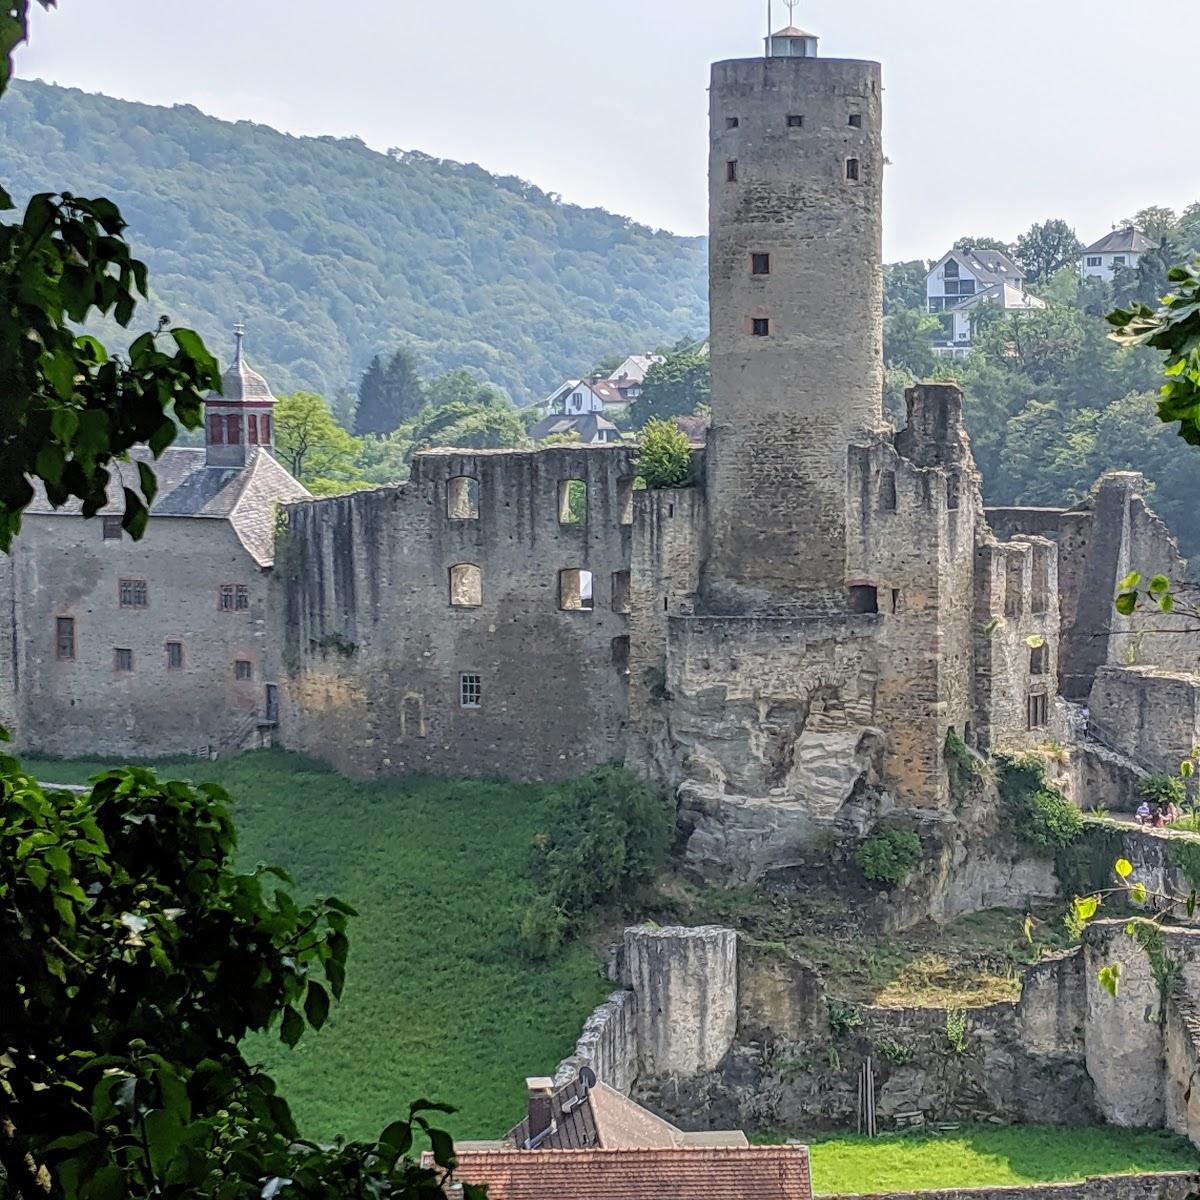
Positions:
{"x": 135, "y": 956}
{"x": 69, "y": 407}
{"x": 664, "y": 456}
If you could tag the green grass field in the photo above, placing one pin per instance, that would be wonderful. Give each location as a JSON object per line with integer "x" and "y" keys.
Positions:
{"x": 987, "y": 1157}
{"x": 438, "y": 1003}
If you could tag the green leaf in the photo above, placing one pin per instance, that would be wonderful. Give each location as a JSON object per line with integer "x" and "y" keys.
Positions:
{"x": 1029, "y": 930}
{"x": 992, "y": 626}
{"x": 147, "y": 482}
{"x": 1158, "y": 585}
{"x": 443, "y": 1147}
{"x": 1137, "y": 893}
{"x": 397, "y": 1137}
{"x": 1127, "y": 603}
{"x": 1130, "y": 582}
{"x": 1035, "y": 641}
{"x": 1167, "y": 603}
{"x": 1085, "y": 907}
{"x": 316, "y": 1005}
{"x": 1123, "y": 867}
{"x": 1187, "y": 768}
{"x": 292, "y": 1026}
{"x": 1110, "y": 978}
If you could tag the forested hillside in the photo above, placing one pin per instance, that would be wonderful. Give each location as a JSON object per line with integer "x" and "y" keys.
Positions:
{"x": 332, "y": 252}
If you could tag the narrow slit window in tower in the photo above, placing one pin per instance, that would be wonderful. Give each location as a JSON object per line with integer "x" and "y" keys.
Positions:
{"x": 1037, "y": 660}
{"x": 625, "y": 498}
{"x": 620, "y": 591}
{"x": 731, "y": 171}
{"x": 887, "y": 491}
{"x": 620, "y": 654}
{"x": 852, "y": 169}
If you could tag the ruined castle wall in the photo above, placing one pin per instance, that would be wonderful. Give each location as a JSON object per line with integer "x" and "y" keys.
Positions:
{"x": 376, "y": 653}
{"x": 787, "y": 403}
{"x": 608, "y": 1045}
{"x": 1153, "y": 715}
{"x": 1016, "y": 601}
{"x": 668, "y": 535}
{"x": 83, "y": 705}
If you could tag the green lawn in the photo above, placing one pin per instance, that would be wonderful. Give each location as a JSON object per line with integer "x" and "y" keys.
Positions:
{"x": 988, "y": 1157}
{"x": 437, "y": 1003}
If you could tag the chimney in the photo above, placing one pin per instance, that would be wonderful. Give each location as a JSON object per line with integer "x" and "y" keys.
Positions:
{"x": 541, "y": 1103}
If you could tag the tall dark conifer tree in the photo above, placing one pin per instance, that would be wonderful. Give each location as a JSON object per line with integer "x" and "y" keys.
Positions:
{"x": 389, "y": 395}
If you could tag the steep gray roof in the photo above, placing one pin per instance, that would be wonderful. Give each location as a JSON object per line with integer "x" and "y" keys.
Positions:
{"x": 244, "y": 496}
{"x": 1122, "y": 241}
{"x": 587, "y": 425}
{"x": 991, "y": 266}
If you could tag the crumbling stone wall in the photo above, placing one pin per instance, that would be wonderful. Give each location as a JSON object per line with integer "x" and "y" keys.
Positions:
{"x": 1148, "y": 713}
{"x": 375, "y": 652}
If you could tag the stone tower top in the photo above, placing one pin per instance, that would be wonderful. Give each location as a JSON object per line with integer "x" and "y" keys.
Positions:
{"x": 791, "y": 41}
{"x": 242, "y": 416}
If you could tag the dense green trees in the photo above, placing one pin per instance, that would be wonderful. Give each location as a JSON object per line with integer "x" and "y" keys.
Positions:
{"x": 389, "y": 394}
{"x": 1050, "y": 399}
{"x": 676, "y": 387}
{"x": 1046, "y": 248}
{"x": 333, "y": 253}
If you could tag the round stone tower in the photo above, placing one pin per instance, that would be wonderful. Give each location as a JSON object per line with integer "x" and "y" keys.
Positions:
{"x": 796, "y": 283}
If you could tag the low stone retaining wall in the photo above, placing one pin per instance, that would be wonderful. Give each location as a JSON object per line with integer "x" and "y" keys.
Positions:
{"x": 1174, "y": 1185}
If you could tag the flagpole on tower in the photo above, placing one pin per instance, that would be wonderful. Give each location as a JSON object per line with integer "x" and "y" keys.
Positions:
{"x": 770, "y": 30}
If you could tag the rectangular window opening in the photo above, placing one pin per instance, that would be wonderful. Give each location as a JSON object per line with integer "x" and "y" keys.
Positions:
{"x": 620, "y": 654}
{"x": 174, "y": 656}
{"x": 625, "y": 488}
{"x": 732, "y": 122}
{"x": 123, "y": 659}
{"x": 243, "y": 670}
{"x": 852, "y": 169}
{"x": 64, "y": 637}
{"x": 856, "y": 120}
{"x": 760, "y": 264}
{"x": 575, "y": 590}
{"x": 952, "y": 492}
{"x": 731, "y": 171}
{"x": 795, "y": 121}
{"x": 760, "y": 326}
{"x": 132, "y": 593}
{"x": 620, "y": 591}
{"x": 225, "y": 597}
{"x": 470, "y": 691}
{"x": 895, "y": 600}
{"x": 462, "y": 498}
{"x": 112, "y": 528}
{"x": 241, "y": 598}
{"x": 1038, "y": 711}
{"x": 887, "y": 491}
{"x": 1038, "y": 658}
{"x": 572, "y": 502}
{"x": 466, "y": 586}
{"x": 864, "y": 598}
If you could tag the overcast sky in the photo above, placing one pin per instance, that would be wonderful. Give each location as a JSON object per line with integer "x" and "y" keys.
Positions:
{"x": 998, "y": 112}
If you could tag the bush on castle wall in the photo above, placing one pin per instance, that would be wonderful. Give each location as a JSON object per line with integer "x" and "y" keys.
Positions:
{"x": 889, "y": 857}
{"x": 1034, "y": 811}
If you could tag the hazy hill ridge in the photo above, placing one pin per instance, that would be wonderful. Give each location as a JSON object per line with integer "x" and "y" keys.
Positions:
{"x": 331, "y": 251}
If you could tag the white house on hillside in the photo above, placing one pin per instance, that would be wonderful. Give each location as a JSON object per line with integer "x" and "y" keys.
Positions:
{"x": 1123, "y": 247}
{"x": 629, "y": 377}
{"x": 963, "y": 281}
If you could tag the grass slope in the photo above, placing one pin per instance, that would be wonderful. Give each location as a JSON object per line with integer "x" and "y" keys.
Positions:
{"x": 437, "y": 1003}
{"x": 988, "y": 1157}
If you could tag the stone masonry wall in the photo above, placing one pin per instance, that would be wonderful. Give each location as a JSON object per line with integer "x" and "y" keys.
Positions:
{"x": 608, "y": 1044}
{"x": 375, "y": 651}
{"x": 83, "y": 705}
{"x": 1151, "y": 714}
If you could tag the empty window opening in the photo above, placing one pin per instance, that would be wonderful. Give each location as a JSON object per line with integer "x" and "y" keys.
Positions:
{"x": 1038, "y": 657}
{"x": 575, "y": 590}
{"x": 732, "y": 122}
{"x": 132, "y": 593}
{"x": 243, "y": 670}
{"x": 412, "y": 716}
{"x": 272, "y": 706}
{"x": 64, "y": 637}
{"x": 952, "y": 492}
{"x": 470, "y": 691}
{"x": 760, "y": 264}
{"x": 123, "y": 660}
{"x": 1038, "y": 710}
{"x": 887, "y": 491}
{"x": 795, "y": 121}
{"x": 864, "y": 598}
{"x": 620, "y": 654}
{"x": 620, "y": 591}
{"x": 731, "y": 171}
{"x": 895, "y": 600}
{"x": 466, "y": 586}
{"x": 666, "y": 601}
{"x": 572, "y": 502}
{"x": 462, "y": 498}
{"x": 852, "y": 169}
{"x": 1041, "y": 579}
{"x": 112, "y": 528}
{"x": 856, "y": 120}
{"x": 174, "y": 656}
{"x": 625, "y": 499}
{"x": 671, "y": 511}
{"x": 760, "y": 326}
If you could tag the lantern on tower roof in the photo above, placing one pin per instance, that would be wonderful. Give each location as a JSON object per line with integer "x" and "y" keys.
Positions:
{"x": 790, "y": 41}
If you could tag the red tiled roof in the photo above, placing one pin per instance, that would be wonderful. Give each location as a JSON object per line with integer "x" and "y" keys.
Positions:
{"x": 682, "y": 1173}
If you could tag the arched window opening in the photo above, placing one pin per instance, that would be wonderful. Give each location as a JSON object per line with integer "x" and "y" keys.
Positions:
{"x": 466, "y": 586}
{"x": 462, "y": 498}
